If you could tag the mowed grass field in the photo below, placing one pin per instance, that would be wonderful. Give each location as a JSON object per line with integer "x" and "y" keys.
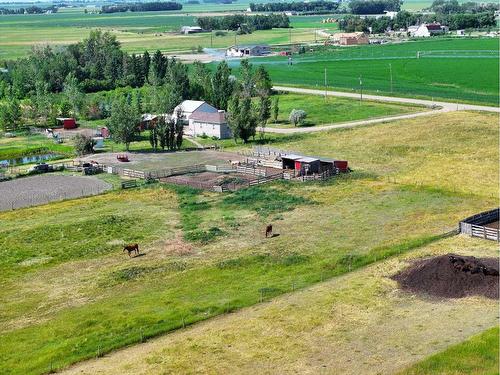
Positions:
{"x": 320, "y": 111}
{"x": 459, "y": 76}
{"x": 70, "y": 293}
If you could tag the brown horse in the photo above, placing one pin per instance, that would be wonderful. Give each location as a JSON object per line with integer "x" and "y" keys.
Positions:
{"x": 269, "y": 230}
{"x": 132, "y": 248}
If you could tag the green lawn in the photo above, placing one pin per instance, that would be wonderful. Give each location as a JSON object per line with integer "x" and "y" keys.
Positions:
{"x": 12, "y": 148}
{"x": 450, "y": 78}
{"x": 70, "y": 293}
{"x": 334, "y": 109}
{"x": 478, "y": 355}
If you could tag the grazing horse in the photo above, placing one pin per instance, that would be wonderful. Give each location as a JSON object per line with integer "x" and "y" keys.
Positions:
{"x": 269, "y": 230}
{"x": 133, "y": 248}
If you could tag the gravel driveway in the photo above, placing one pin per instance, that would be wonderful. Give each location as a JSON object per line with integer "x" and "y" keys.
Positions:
{"x": 42, "y": 189}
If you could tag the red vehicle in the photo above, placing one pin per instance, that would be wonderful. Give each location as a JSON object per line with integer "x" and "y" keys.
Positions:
{"x": 122, "y": 157}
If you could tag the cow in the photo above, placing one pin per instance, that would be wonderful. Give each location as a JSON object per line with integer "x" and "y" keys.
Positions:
{"x": 269, "y": 230}
{"x": 132, "y": 248}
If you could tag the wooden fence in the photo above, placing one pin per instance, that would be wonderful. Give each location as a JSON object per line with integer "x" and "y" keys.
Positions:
{"x": 475, "y": 225}
{"x": 251, "y": 170}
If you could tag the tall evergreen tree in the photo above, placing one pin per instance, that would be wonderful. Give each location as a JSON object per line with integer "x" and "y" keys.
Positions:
{"x": 123, "y": 121}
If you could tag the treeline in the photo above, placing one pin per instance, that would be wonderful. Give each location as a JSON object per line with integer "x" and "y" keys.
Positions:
{"x": 404, "y": 19}
{"x": 453, "y": 7}
{"x": 141, "y": 7}
{"x": 374, "y": 6}
{"x": 244, "y": 24}
{"x": 52, "y": 83}
{"x": 300, "y": 6}
{"x": 28, "y": 10}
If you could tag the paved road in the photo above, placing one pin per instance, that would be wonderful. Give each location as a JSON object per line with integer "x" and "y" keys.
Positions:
{"x": 441, "y": 107}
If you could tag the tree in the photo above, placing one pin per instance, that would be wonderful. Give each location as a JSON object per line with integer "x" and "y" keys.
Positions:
{"x": 247, "y": 79}
{"x": 65, "y": 108}
{"x": 165, "y": 99}
{"x": 146, "y": 63}
{"x": 73, "y": 94}
{"x": 83, "y": 144}
{"x": 297, "y": 117}
{"x": 264, "y": 110}
{"x": 162, "y": 132}
{"x": 10, "y": 115}
{"x": 263, "y": 83}
{"x": 123, "y": 122}
{"x": 222, "y": 86}
{"x": 276, "y": 108}
{"x": 201, "y": 83}
{"x": 233, "y": 115}
{"x": 158, "y": 68}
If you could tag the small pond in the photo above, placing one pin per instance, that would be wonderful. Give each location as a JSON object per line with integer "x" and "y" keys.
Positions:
{"x": 28, "y": 160}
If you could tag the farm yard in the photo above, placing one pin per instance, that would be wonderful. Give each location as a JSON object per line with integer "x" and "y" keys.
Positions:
{"x": 36, "y": 190}
{"x": 205, "y": 255}
{"x": 289, "y": 212}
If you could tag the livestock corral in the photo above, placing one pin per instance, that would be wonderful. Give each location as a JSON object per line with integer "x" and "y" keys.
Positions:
{"x": 219, "y": 171}
{"x": 483, "y": 225}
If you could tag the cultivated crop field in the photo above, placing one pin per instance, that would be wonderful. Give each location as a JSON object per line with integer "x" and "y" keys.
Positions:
{"x": 451, "y": 78}
{"x": 205, "y": 254}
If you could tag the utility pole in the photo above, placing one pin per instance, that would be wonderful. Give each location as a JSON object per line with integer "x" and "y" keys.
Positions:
{"x": 360, "y": 88}
{"x": 325, "y": 85}
{"x": 390, "y": 70}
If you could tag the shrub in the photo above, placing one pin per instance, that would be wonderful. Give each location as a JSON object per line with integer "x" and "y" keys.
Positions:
{"x": 84, "y": 144}
{"x": 297, "y": 117}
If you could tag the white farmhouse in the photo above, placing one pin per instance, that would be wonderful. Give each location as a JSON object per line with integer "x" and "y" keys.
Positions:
{"x": 202, "y": 118}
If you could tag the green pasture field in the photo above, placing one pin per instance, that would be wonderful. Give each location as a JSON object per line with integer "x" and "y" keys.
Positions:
{"x": 334, "y": 109}
{"x": 69, "y": 293}
{"x": 452, "y": 78}
{"x": 478, "y": 355}
{"x": 359, "y": 317}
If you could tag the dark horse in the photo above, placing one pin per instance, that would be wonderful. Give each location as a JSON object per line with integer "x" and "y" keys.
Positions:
{"x": 269, "y": 230}
{"x": 133, "y": 248}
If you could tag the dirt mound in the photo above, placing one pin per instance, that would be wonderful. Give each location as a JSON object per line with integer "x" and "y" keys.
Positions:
{"x": 452, "y": 276}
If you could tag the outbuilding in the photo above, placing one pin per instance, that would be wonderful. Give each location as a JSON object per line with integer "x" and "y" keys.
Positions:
{"x": 248, "y": 50}
{"x": 66, "y": 122}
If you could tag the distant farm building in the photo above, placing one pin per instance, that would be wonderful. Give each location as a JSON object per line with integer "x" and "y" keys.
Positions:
{"x": 248, "y": 50}
{"x": 350, "y": 39}
{"x": 191, "y": 29}
{"x": 203, "y": 118}
{"x": 426, "y": 30}
{"x": 66, "y": 122}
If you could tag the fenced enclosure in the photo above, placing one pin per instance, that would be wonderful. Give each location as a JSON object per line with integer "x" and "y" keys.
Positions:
{"x": 483, "y": 225}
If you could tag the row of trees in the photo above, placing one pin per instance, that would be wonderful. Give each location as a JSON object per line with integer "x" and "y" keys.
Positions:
{"x": 141, "y": 7}
{"x": 404, "y": 19}
{"x": 240, "y": 22}
{"x": 28, "y": 10}
{"x": 374, "y": 6}
{"x": 454, "y": 7}
{"x": 320, "y": 6}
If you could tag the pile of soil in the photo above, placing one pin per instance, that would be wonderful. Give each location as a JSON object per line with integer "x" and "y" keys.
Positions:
{"x": 452, "y": 276}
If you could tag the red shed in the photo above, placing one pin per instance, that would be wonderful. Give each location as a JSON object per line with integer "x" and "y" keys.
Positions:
{"x": 66, "y": 122}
